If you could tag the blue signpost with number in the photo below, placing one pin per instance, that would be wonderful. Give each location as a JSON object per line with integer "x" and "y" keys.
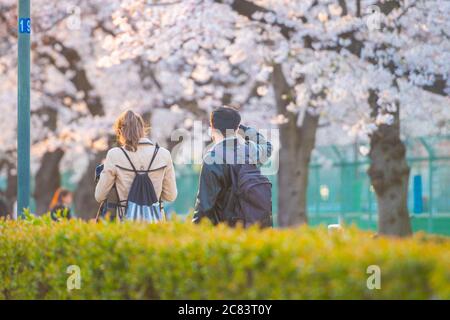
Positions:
{"x": 24, "y": 25}
{"x": 23, "y": 104}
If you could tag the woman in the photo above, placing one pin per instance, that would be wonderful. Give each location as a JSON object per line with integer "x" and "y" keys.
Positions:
{"x": 136, "y": 152}
{"x": 60, "y": 204}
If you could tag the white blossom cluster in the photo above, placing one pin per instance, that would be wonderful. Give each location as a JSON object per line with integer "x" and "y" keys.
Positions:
{"x": 178, "y": 61}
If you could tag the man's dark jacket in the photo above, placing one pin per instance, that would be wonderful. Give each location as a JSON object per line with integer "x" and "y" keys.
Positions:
{"x": 215, "y": 199}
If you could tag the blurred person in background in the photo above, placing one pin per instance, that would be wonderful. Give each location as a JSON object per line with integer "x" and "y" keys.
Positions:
{"x": 60, "y": 204}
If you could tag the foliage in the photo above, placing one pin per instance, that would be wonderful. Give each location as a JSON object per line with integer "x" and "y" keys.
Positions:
{"x": 183, "y": 261}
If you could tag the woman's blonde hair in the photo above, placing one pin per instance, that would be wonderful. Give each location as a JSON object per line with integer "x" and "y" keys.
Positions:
{"x": 130, "y": 128}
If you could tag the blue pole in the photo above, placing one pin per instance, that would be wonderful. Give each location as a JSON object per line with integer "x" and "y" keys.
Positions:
{"x": 430, "y": 201}
{"x": 417, "y": 192}
{"x": 23, "y": 112}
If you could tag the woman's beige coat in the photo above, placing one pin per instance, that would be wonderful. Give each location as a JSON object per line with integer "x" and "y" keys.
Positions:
{"x": 118, "y": 170}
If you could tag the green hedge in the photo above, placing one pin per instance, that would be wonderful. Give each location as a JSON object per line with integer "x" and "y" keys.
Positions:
{"x": 182, "y": 261}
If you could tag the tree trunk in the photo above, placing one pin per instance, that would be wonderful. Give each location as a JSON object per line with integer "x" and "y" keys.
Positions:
{"x": 389, "y": 175}
{"x": 47, "y": 180}
{"x": 85, "y": 204}
{"x": 295, "y": 155}
{"x": 296, "y": 146}
{"x": 48, "y": 177}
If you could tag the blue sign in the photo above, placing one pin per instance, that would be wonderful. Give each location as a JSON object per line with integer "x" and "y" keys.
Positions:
{"x": 24, "y": 25}
{"x": 417, "y": 192}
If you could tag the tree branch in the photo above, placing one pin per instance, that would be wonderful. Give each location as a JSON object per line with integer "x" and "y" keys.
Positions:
{"x": 247, "y": 9}
{"x": 80, "y": 79}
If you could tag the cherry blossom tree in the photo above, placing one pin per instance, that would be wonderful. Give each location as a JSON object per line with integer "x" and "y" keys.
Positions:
{"x": 401, "y": 45}
{"x": 343, "y": 68}
{"x": 65, "y": 107}
{"x": 352, "y": 62}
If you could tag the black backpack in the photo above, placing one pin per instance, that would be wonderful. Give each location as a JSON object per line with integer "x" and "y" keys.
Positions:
{"x": 142, "y": 203}
{"x": 253, "y": 193}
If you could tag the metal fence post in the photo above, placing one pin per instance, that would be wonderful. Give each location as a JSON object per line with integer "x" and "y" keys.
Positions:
{"x": 23, "y": 103}
{"x": 431, "y": 157}
{"x": 430, "y": 191}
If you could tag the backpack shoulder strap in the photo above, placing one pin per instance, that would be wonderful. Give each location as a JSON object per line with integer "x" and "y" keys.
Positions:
{"x": 231, "y": 168}
{"x": 153, "y": 157}
{"x": 129, "y": 160}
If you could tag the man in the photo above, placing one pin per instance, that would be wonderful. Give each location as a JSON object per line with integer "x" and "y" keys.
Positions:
{"x": 216, "y": 199}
